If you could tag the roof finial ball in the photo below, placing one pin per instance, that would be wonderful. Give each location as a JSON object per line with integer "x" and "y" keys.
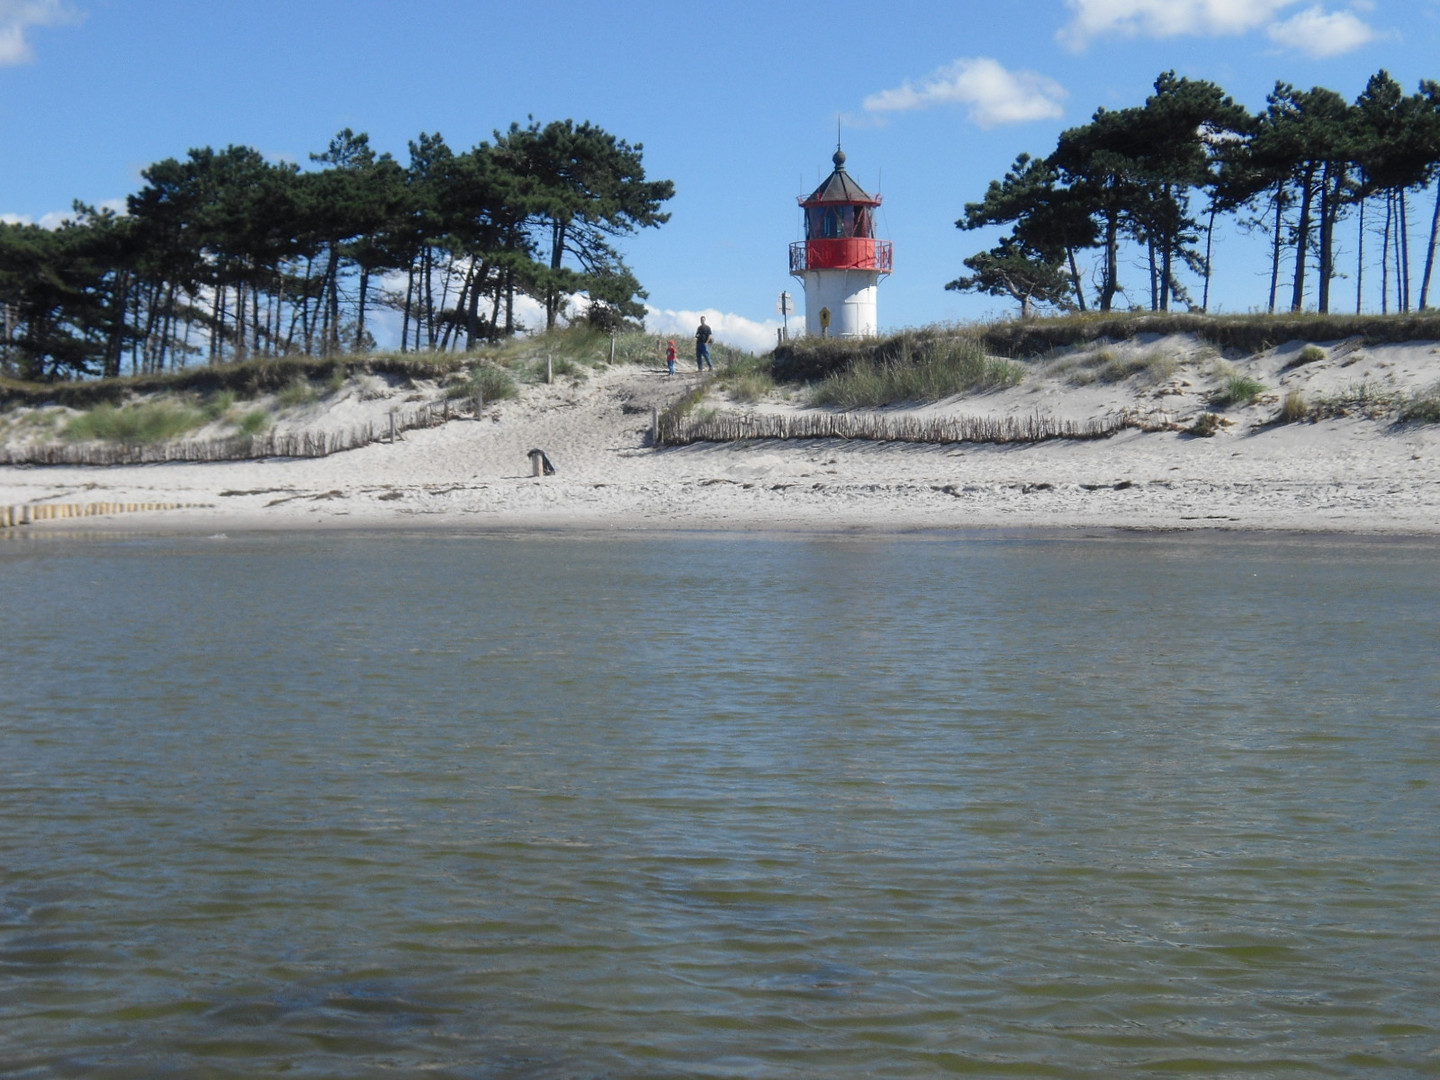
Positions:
{"x": 839, "y": 158}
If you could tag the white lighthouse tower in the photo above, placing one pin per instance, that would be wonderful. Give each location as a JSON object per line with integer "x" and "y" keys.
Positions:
{"x": 840, "y": 261}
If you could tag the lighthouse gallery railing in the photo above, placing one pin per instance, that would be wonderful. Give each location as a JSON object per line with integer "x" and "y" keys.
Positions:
{"x": 841, "y": 253}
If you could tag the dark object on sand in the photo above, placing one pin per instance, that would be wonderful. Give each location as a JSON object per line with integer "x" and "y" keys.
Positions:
{"x": 540, "y": 464}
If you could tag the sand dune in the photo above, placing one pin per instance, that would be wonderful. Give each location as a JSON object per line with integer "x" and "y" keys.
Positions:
{"x": 1351, "y": 474}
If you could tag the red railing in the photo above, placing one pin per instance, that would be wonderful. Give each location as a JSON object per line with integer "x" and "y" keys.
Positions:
{"x": 841, "y": 253}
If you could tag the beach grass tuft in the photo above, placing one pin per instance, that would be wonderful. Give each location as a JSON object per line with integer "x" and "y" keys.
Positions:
{"x": 296, "y": 393}
{"x": 1236, "y": 389}
{"x": 1293, "y": 409}
{"x": 916, "y": 367}
{"x": 1422, "y": 408}
{"x": 254, "y": 422}
{"x": 1107, "y": 366}
{"x": 145, "y": 423}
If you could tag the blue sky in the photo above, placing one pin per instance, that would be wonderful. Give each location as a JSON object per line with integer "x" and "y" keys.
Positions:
{"x": 736, "y": 102}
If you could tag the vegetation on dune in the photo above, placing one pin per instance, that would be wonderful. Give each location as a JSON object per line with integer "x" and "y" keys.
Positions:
{"x": 1232, "y": 333}
{"x": 913, "y": 366}
{"x": 1236, "y": 389}
{"x": 1107, "y": 366}
{"x": 145, "y": 422}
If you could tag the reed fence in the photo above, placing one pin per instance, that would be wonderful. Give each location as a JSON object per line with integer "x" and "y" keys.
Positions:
{"x": 880, "y": 427}
{"x": 296, "y": 444}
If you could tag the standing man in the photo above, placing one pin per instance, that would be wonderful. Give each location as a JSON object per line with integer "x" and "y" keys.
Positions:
{"x": 702, "y": 347}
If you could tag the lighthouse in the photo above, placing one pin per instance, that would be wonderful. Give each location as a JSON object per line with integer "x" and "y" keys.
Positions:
{"x": 840, "y": 261}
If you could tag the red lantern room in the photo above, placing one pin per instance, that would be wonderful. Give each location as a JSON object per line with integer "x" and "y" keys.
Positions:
{"x": 840, "y": 260}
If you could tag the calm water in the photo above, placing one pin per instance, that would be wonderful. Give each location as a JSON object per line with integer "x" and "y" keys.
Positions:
{"x": 385, "y": 805}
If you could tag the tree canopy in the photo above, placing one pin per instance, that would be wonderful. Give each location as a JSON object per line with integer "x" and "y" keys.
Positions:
{"x": 224, "y": 254}
{"x": 1133, "y": 178}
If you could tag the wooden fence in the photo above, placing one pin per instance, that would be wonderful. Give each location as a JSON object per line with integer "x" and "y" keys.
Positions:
{"x": 881, "y": 427}
{"x": 30, "y": 513}
{"x": 299, "y": 444}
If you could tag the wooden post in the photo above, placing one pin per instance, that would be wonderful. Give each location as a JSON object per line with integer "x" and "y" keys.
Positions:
{"x": 549, "y": 369}
{"x": 654, "y": 425}
{"x": 479, "y": 402}
{"x": 392, "y": 427}
{"x": 612, "y": 348}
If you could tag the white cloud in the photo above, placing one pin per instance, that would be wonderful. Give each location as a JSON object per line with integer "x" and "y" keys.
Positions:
{"x": 730, "y": 329}
{"x": 1165, "y": 18}
{"x": 993, "y": 94}
{"x": 55, "y": 218}
{"x": 18, "y": 16}
{"x": 1321, "y": 34}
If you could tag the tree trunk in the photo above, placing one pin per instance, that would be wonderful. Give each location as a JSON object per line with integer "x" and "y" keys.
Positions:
{"x": 1322, "y": 299}
{"x": 1075, "y": 278}
{"x": 307, "y": 321}
{"x": 1430, "y": 252}
{"x": 217, "y": 316}
{"x": 1167, "y": 275}
{"x": 472, "y": 316}
{"x": 1360, "y": 261}
{"x": 334, "y": 320}
{"x": 1112, "y": 262}
{"x": 240, "y": 340}
{"x": 1275, "y": 247}
{"x": 495, "y": 306}
{"x": 1209, "y": 246}
{"x": 510, "y": 301}
{"x": 1302, "y": 240}
{"x": 1402, "y": 252}
{"x": 557, "y": 256}
{"x": 360, "y": 314}
{"x": 1385, "y": 254}
{"x": 429, "y": 298}
{"x": 405, "y": 316}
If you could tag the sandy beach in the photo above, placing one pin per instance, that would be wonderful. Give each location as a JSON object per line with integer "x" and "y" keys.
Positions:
{"x": 1349, "y": 474}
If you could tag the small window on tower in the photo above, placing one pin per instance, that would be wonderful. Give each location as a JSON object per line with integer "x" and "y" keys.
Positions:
{"x": 832, "y": 223}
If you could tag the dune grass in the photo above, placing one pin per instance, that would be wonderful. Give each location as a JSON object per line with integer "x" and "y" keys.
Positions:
{"x": 146, "y": 423}
{"x": 1250, "y": 333}
{"x": 915, "y": 367}
{"x": 1236, "y": 389}
{"x": 1107, "y": 366}
{"x": 1422, "y": 408}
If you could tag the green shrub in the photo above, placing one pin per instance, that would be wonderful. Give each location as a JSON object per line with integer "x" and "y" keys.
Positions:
{"x": 1309, "y": 354}
{"x": 152, "y": 422}
{"x": 253, "y": 422}
{"x": 218, "y": 404}
{"x": 1237, "y": 390}
{"x": 928, "y": 370}
{"x": 296, "y": 393}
